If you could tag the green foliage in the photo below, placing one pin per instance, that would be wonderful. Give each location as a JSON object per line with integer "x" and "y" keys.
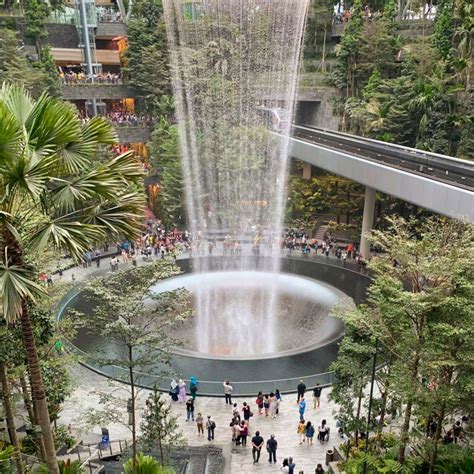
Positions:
{"x": 65, "y": 467}
{"x": 377, "y": 465}
{"x": 456, "y": 460}
{"x": 146, "y": 58}
{"x": 119, "y": 315}
{"x": 7, "y": 466}
{"x": 421, "y": 310}
{"x": 62, "y": 438}
{"x": 412, "y": 94}
{"x": 165, "y": 158}
{"x": 160, "y": 429}
{"x": 321, "y": 195}
{"x": 146, "y": 465}
{"x": 15, "y": 67}
{"x": 444, "y": 29}
{"x": 318, "y": 27}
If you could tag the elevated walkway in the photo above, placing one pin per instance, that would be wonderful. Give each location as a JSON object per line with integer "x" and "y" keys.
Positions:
{"x": 442, "y": 184}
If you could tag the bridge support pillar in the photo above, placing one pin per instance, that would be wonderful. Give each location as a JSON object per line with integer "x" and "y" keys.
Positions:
{"x": 367, "y": 220}
{"x": 306, "y": 171}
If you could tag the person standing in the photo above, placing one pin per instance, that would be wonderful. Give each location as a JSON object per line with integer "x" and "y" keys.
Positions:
{"x": 236, "y": 412}
{"x": 272, "y": 446}
{"x": 301, "y": 388}
{"x": 181, "y": 391}
{"x": 309, "y": 433}
{"x": 278, "y": 400}
{"x": 228, "y": 392}
{"x": 322, "y": 431}
{"x": 273, "y": 405}
{"x": 317, "y": 395}
{"x": 193, "y": 387}
{"x": 244, "y": 432}
{"x": 98, "y": 256}
{"x": 319, "y": 469}
{"x": 246, "y": 412}
{"x": 301, "y": 431}
{"x": 266, "y": 404}
{"x": 302, "y": 407}
{"x": 200, "y": 424}
{"x": 190, "y": 409}
{"x": 257, "y": 444}
{"x": 211, "y": 426}
{"x": 259, "y": 402}
{"x": 291, "y": 466}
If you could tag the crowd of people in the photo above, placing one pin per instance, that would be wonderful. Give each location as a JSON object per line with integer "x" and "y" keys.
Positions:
{"x": 108, "y": 15}
{"x": 123, "y": 118}
{"x": 296, "y": 240}
{"x": 266, "y": 405}
{"x": 70, "y": 77}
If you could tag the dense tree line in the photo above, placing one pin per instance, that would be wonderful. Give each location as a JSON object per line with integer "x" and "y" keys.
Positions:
{"x": 413, "y": 93}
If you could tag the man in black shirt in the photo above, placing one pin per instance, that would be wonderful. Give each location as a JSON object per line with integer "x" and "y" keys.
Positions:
{"x": 272, "y": 445}
{"x": 317, "y": 395}
{"x": 257, "y": 444}
{"x": 301, "y": 388}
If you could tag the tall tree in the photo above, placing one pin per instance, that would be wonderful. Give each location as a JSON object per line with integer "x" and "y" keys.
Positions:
{"x": 127, "y": 312}
{"x": 54, "y": 196}
{"x": 420, "y": 308}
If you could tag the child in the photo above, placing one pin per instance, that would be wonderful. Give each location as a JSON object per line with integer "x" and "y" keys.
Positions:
{"x": 301, "y": 430}
{"x": 200, "y": 424}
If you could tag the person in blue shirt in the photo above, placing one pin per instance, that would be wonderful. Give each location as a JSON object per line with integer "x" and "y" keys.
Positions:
{"x": 302, "y": 407}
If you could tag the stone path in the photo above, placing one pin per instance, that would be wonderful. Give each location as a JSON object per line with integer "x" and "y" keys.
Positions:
{"x": 240, "y": 459}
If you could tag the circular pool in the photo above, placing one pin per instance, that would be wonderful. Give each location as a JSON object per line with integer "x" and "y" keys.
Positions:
{"x": 304, "y": 335}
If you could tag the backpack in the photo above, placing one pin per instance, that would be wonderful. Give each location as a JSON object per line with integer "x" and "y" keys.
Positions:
{"x": 213, "y": 424}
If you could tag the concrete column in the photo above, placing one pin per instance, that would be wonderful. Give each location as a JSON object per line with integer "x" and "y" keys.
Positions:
{"x": 306, "y": 171}
{"x": 367, "y": 221}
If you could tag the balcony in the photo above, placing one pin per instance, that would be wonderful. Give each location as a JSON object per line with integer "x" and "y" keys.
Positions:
{"x": 97, "y": 91}
{"x": 109, "y": 30}
{"x": 138, "y": 134}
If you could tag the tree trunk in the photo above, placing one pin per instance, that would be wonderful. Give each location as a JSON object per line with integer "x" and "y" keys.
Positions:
{"x": 38, "y": 436}
{"x": 382, "y": 413}
{"x": 437, "y": 437}
{"x": 134, "y": 428}
{"x": 27, "y": 399}
{"x": 404, "y": 432}
{"x": 359, "y": 404}
{"x": 9, "y": 416}
{"x": 37, "y": 389}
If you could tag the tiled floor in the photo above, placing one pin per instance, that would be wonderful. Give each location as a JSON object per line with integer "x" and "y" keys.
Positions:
{"x": 283, "y": 427}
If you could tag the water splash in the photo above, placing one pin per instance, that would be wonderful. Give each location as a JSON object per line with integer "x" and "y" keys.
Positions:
{"x": 233, "y": 62}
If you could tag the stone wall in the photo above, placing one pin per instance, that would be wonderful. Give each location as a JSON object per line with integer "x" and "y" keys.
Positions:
{"x": 133, "y": 134}
{"x": 97, "y": 91}
{"x": 321, "y": 113}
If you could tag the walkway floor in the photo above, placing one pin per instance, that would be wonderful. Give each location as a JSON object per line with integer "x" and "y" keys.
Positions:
{"x": 90, "y": 384}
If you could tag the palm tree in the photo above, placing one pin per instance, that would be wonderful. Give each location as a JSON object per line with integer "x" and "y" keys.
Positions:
{"x": 54, "y": 195}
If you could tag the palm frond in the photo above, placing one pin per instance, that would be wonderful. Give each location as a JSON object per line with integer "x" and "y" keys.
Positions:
{"x": 18, "y": 102}
{"x": 73, "y": 236}
{"x": 10, "y": 136}
{"x": 16, "y": 284}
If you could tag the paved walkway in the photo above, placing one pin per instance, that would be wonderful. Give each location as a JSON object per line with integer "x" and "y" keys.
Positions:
{"x": 86, "y": 396}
